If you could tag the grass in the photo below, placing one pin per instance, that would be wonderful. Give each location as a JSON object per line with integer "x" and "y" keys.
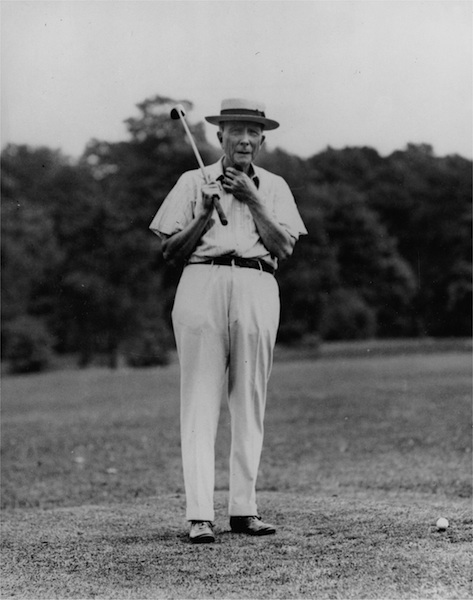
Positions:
{"x": 362, "y": 454}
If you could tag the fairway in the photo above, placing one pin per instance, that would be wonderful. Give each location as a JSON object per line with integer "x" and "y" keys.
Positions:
{"x": 362, "y": 454}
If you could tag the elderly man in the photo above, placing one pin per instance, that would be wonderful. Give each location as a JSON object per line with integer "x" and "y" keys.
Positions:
{"x": 226, "y": 309}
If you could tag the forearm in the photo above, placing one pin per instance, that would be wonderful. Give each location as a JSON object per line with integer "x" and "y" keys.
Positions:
{"x": 180, "y": 246}
{"x": 275, "y": 238}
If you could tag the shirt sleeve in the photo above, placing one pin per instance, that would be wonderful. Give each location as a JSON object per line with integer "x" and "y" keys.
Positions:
{"x": 177, "y": 209}
{"x": 286, "y": 211}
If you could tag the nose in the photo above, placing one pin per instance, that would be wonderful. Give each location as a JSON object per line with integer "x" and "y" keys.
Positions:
{"x": 245, "y": 137}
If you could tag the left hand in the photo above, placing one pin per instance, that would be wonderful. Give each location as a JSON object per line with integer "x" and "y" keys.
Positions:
{"x": 239, "y": 184}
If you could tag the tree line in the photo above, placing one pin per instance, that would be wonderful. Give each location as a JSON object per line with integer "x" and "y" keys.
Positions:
{"x": 388, "y": 252}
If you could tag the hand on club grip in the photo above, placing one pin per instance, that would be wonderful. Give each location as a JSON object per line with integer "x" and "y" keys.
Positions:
{"x": 211, "y": 193}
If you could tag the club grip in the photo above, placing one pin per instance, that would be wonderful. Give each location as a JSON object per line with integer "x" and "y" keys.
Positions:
{"x": 219, "y": 209}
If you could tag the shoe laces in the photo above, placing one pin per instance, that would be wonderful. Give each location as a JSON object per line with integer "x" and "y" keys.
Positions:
{"x": 201, "y": 524}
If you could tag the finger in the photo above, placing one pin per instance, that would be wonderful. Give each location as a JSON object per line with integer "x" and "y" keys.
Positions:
{"x": 235, "y": 172}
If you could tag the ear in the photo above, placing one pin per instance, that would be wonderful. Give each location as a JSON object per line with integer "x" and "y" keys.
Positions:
{"x": 219, "y": 135}
{"x": 262, "y": 139}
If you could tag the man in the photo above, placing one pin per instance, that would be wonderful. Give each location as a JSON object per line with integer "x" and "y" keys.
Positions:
{"x": 226, "y": 310}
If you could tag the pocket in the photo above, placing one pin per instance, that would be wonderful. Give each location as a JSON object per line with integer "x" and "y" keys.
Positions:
{"x": 193, "y": 302}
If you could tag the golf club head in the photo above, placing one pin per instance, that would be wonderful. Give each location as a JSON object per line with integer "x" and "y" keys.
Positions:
{"x": 177, "y": 112}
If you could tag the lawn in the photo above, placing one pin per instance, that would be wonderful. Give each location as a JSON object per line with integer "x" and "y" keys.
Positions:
{"x": 363, "y": 452}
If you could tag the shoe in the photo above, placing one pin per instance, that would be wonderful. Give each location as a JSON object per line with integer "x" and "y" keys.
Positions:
{"x": 201, "y": 532}
{"x": 251, "y": 526}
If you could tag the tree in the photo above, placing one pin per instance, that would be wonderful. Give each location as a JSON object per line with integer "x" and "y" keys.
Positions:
{"x": 369, "y": 261}
{"x": 30, "y": 249}
{"x": 425, "y": 203}
{"x": 307, "y": 279}
{"x": 132, "y": 180}
{"x": 388, "y": 251}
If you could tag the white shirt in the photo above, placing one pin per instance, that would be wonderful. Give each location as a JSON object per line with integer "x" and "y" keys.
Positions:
{"x": 240, "y": 237}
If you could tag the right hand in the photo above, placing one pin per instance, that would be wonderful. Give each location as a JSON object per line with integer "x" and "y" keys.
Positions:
{"x": 209, "y": 191}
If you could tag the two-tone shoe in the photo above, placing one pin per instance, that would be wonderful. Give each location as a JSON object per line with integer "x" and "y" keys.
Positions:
{"x": 201, "y": 532}
{"x": 252, "y": 525}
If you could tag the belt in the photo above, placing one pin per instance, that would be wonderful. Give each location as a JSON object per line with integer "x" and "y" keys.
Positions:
{"x": 238, "y": 261}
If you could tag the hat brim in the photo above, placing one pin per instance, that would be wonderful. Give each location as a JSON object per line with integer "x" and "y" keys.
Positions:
{"x": 268, "y": 124}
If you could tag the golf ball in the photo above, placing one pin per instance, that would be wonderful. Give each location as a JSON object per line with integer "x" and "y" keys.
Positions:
{"x": 442, "y": 524}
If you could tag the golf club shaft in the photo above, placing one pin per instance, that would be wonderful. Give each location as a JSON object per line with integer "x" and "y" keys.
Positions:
{"x": 216, "y": 201}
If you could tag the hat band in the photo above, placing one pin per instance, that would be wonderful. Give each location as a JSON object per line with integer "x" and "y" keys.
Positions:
{"x": 242, "y": 111}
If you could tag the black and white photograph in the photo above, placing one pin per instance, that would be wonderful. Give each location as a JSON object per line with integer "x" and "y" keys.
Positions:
{"x": 236, "y": 299}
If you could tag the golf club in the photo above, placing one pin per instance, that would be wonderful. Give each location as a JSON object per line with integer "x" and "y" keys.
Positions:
{"x": 178, "y": 112}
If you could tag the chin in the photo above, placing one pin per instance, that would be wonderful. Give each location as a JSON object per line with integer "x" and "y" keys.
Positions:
{"x": 243, "y": 161}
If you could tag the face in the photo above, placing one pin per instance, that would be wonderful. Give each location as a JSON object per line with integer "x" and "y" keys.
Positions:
{"x": 241, "y": 142}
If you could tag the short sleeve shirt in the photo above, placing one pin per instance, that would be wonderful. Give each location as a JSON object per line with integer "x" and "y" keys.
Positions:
{"x": 240, "y": 237}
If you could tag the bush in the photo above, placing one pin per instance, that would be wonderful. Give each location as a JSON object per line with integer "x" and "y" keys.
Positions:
{"x": 347, "y": 317}
{"x": 150, "y": 347}
{"x": 291, "y": 332}
{"x": 28, "y": 345}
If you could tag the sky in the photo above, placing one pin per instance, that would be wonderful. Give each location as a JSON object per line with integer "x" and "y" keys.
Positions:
{"x": 336, "y": 73}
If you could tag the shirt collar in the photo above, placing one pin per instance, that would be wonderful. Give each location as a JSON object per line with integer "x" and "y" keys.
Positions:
{"x": 251, "y": 173}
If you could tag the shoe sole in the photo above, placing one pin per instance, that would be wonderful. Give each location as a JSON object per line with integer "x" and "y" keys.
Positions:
{"x": 204, "y": 539}
{"x": 255, "y": 533}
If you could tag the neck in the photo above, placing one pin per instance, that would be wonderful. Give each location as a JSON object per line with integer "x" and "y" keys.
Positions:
{"x": 246, "y": 169}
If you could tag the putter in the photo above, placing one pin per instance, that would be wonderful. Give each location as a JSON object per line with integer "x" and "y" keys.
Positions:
{"x": 178, "y": 112}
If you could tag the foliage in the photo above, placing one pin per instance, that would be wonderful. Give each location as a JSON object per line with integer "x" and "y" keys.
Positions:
{"x": 388, "y": 252}
{"x": 27, "y": 345}
{"x": 424, "y": 202}
{"x": 347, "y": 317}
{"x": 149, "y": 346}
{"x": 31, "y": 252}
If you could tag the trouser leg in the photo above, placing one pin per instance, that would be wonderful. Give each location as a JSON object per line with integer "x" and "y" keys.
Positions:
{"x": 254, "y": 321}
{"x": 201, "y": 331}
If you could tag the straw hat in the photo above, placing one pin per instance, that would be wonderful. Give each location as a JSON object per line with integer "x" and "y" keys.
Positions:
{"x": 239, "y": 109}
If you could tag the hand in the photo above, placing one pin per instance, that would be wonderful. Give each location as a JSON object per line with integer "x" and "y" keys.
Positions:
{"x": 209, "y": 191}
{"x": 238, "y": 183}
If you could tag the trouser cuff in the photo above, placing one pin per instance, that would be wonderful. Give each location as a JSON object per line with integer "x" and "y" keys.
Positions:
{"x": 242, "y": 510}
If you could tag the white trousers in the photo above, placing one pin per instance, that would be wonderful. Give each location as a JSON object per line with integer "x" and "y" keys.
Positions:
{"x": 225, "y": 321}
